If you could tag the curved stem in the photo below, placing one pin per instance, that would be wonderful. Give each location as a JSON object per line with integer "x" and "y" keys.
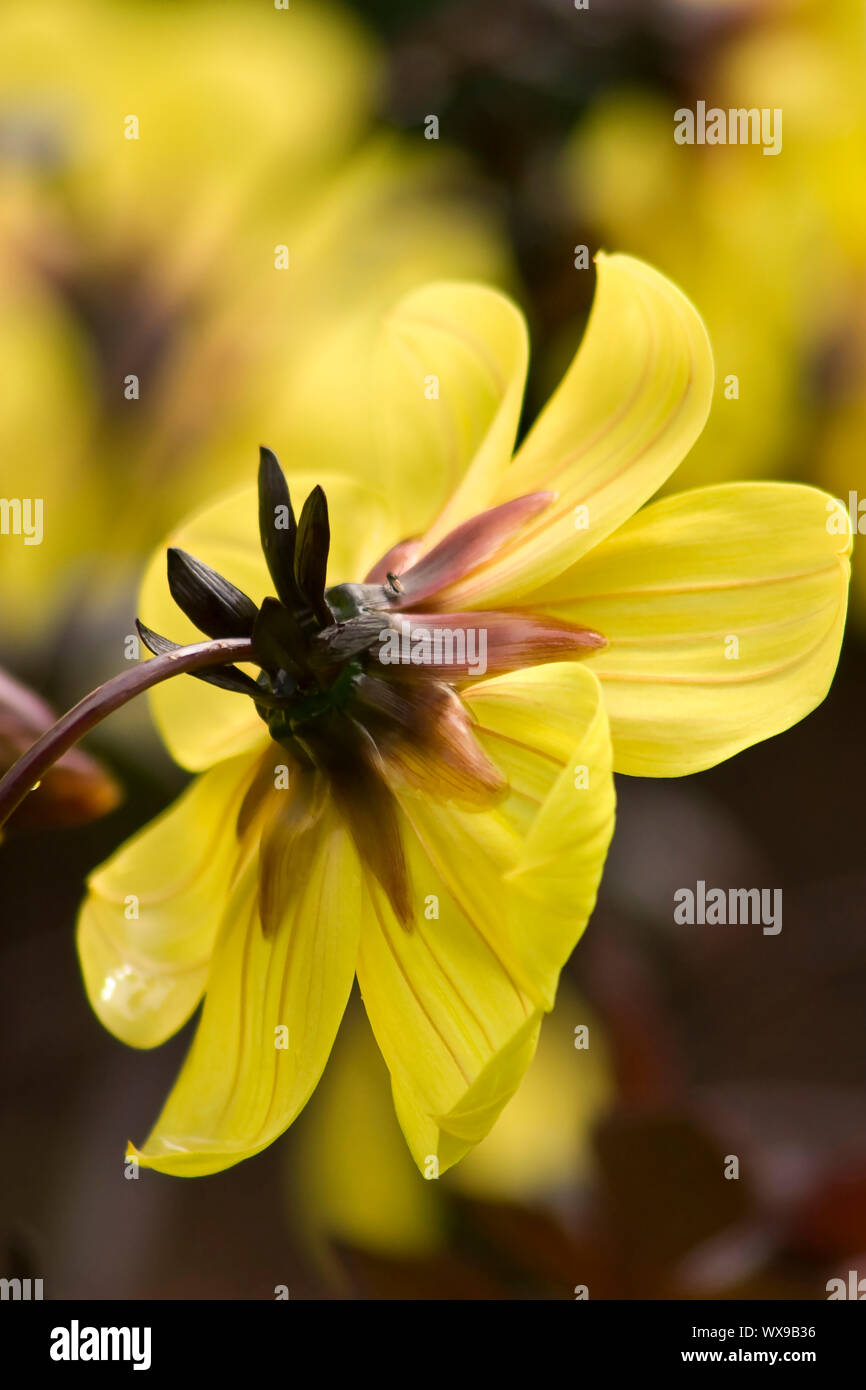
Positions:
{"x": 32, "y": 766}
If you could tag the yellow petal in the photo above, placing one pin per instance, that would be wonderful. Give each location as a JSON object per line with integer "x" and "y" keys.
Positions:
{"x": 547, "y": 729}
{"x": 147, "y": 926}
{"x": 724, "y": 610}
{"x": 723, "y": 230}
{"x": 450, "y": 368}
{"x": 501, "y": 898}
{"x": 240, "y": 1087}
{"x": 627, "y": 411}
{"x": 201, "y": 724}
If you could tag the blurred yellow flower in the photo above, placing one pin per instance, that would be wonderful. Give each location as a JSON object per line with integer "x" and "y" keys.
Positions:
{"x": 195, "y": 229}
{"x": 773, "y": 249}
{"x": 438, "y": 829}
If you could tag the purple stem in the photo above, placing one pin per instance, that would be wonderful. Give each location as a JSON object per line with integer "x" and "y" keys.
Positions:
{"x": 32, "y": 766}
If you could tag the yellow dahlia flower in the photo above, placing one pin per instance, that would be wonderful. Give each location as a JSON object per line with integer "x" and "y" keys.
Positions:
{"x": 372, "y": 802}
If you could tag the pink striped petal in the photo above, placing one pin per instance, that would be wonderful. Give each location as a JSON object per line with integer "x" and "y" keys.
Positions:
{"x": 468, "y": 546}
{"x": 394, "y": 561}
{"x": 464, "y": 646}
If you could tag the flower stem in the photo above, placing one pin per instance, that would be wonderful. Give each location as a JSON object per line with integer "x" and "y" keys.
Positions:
{"x": 32, "y": 766}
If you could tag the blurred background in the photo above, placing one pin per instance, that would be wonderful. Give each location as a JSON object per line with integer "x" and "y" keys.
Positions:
{"x": 147, "y": 347}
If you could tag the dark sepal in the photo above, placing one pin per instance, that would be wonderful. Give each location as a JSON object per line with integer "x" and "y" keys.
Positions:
{"x": 311, "y": 554}
{"x": 279, "y": 640}
{"x": 215, "y": 606}
{"x": 278, "y": 542}
{"x": 351, "y": 600}
{"x": 227, "y": 677}
{"x": 342, "y": 641}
